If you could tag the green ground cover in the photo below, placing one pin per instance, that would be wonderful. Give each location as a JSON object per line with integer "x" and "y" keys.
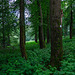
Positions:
{"x": 11, "y": 62}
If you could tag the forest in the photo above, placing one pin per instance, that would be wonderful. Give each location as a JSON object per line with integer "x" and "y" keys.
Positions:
{"x": 37, "y": 37}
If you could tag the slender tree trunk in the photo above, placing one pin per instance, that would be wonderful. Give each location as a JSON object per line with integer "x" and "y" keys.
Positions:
{"x": 36, "y": 35}
{"x": 71, "y": 23}
{"x": 8, "y": 39}
{"x": 41, "y": 37}
{"x": 3, "y": 35}
{"x": 24, "y": 34}
{"x": 8, "y": 35}
{"x": 3, "y": 25}
{"x": 44, "y": 33}
{"x": 44, "y": 27}
{"x": 22, "y": 31}
{"x": 56, "y": 33}
{"x": 48, "y": 39}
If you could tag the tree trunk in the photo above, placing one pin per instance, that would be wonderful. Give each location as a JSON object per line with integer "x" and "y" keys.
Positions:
{"x": 56, "y": 33}
{"x": 71, "y": 23}
{"x": 24, "y": 34}
{"x": 41, "y": 37}
{"x": 8, "y": 35}
{"x": 44, "y": 34}
{"x": 3, "y": 25}
{"x": 48, "y": 39}
{"x": 3, "y": 35}
{"x": 22, "y": 31}
{"x": 36, "y": 35}
{"x": 8, "y": 39}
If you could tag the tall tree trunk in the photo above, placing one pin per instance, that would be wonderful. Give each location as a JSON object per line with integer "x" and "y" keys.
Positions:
{"x": 3, "y": 25}
{"x": 8, "y": 35}
{"x": 3, "y": 35}
{"x": 8, "y": 39}
{"x": 56, "y": 33}
{"x": 22, "y": 31}
{"x": 41, "y": 37}
{"x": 24, "y": 34}
{"x": 36, "y": 35}
{"x": 48, "y": 39}
{"x": 71, "y": 24}
{"x": 44, "y": 33}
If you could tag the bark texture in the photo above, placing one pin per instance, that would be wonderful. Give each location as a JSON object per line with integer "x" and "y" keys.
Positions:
{"x": 36, "y": 35}
{"x": 56, "y": 33}
{"x": 22, "y": 30}
{"x": 71, "y": 24}
{"x": 41, "y": 37}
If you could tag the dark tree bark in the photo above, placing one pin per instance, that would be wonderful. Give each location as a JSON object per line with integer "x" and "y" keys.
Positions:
{"x": 41, "y": 37}
{"x": 36, "y": 35}
{"x": 44, "y": 33}
{"x": 24, "y": 33}
{"x": 48, "y": 38}
{"x": 71, "y": 24}
{"x": 56, "y": 33}
{"x": 22, "y": 30}
{"x": 8, "y": 39}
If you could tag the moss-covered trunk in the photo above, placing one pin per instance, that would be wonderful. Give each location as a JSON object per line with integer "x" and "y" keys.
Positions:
{"x": 22, "y": 30}
{"x": 56, "y": 33}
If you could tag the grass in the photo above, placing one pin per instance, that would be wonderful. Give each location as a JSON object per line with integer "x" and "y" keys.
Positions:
{"x": 11, "y": 62}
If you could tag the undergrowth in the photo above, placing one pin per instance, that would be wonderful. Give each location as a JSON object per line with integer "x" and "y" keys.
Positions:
{"x": 11, "y": 62}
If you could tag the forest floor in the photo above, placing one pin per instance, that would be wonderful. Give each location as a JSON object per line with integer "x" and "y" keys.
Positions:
{"x": 11, "y": 62}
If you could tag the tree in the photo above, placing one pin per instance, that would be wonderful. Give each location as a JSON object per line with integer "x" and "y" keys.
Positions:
{"x": 3, "y": 28}
{"x": 36, "y": 34}
{"x": 41, "y": 37}
{"x": 8, "y": 23}
{"x": 56, "y": 33}
{"x": 68, "y": 19}
{"x": 48, "y": 37}
{"x": 22, "y": 31}
{"x": 35, "y": 19}
{"x": 71, "y": 24}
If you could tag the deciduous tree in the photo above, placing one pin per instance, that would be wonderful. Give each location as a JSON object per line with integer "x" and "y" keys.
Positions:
{"x": 22, "y": 30}
{"x": 56, "y": 33}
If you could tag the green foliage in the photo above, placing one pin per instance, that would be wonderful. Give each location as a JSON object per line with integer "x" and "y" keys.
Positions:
{"x": 66, "y": 7}
{"x": 68, "y": 63}
{"x": 12, "y": 63}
